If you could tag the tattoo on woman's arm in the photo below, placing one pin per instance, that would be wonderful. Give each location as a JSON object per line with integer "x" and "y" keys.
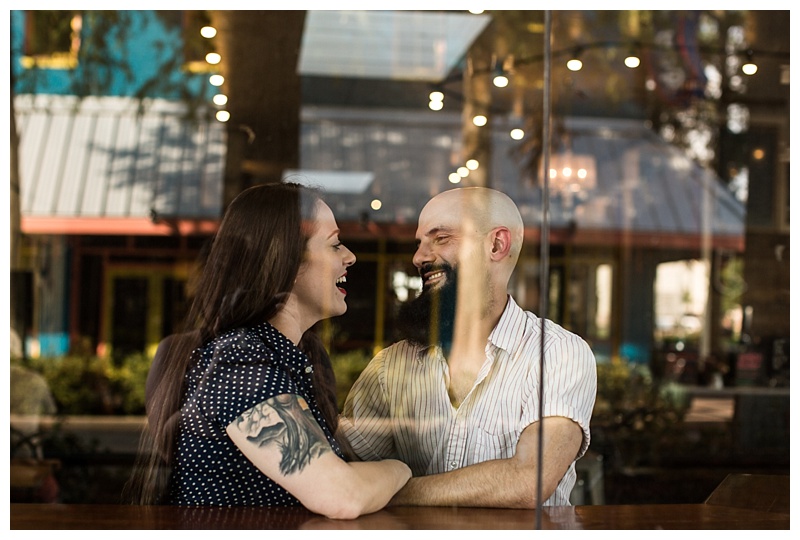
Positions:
{"x": 285, "y": 421}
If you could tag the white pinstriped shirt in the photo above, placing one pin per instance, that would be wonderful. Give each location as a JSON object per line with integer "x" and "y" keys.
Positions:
{"x": 399, "y": 406}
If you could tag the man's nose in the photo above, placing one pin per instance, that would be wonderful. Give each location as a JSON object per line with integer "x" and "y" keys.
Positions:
{"x": 421, "y": 256}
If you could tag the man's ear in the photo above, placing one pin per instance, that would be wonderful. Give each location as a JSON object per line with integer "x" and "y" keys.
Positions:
{"x": 501, "y": 243}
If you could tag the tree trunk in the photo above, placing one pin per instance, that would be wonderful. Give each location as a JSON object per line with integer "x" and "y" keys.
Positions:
{"x": 260, "y": 52}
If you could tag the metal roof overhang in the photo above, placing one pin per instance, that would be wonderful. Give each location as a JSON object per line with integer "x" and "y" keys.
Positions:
{"x": 111, "y": 165}
{"x": 107, "y": 166}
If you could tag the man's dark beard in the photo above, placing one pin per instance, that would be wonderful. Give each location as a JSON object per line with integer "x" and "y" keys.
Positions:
{"x": 415, "y": 316}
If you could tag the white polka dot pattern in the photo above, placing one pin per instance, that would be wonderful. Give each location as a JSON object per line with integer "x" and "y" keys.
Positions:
{"x": 228, "y": 376}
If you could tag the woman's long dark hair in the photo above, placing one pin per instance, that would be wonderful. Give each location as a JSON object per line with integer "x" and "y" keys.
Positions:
{"x": 247, "y": 274}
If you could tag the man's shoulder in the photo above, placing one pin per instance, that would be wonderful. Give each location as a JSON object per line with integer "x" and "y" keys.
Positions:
{"x": 400, "y": 351}
{"x": 553, "y": 330}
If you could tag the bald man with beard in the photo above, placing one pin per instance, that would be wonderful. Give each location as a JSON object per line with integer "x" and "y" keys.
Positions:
{"x": 458, "y": 398}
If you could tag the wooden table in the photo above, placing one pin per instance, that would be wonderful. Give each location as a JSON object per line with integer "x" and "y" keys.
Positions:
{"x": 740, "y": 502}
{"x": 678, "y": 516}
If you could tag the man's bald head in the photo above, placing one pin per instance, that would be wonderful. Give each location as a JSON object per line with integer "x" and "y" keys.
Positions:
{"x": 478, "y": 210}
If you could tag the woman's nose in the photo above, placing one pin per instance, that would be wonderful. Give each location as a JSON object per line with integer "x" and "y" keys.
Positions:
{"x": 350, "y": 258}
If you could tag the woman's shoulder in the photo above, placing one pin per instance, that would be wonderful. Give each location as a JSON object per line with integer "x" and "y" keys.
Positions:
{"x": 238, "y": 345}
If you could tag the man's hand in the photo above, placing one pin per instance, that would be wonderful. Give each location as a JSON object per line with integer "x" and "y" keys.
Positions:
{"x": 502, "y": 483}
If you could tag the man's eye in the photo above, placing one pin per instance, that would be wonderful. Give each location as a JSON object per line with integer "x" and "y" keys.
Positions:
{"x": 441, "y": 239}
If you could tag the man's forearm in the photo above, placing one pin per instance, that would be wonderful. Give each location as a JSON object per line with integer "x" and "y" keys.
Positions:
{"x": 500, "y": 483}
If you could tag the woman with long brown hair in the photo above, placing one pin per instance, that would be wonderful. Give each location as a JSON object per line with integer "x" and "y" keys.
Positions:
{"x": 243, "y": 409}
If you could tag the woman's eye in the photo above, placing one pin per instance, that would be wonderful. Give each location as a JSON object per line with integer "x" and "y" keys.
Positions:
{"x": 337, "y": 245}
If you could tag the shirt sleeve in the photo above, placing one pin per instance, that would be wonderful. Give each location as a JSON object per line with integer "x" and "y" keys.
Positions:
{"x": 365, "y": 420}
{"x": 240, "y": 376}
{"x": 570, "y": 383}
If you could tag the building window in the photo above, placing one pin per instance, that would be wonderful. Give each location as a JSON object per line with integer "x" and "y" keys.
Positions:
{"x": 52, "y": 39}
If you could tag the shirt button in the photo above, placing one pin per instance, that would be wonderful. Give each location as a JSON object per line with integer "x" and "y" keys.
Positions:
{"x": 453, "y": 464}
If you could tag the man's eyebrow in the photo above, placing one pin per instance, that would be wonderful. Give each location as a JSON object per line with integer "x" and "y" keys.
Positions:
{"x": 440, "y": 229}
{"x": 434, "y": 231}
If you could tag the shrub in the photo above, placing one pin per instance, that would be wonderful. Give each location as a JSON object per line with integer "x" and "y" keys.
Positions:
{"x": 347, "y": 367}
{"x": 93, "y": 385}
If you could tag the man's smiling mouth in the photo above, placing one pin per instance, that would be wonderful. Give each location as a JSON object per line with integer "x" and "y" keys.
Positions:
{"x": 430, "y": 279}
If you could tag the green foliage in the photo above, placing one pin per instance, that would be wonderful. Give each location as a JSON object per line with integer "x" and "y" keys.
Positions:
{"x": 636, "y": 417}
{"x": 347, "y": 367}
{"x": 92, "y": 385}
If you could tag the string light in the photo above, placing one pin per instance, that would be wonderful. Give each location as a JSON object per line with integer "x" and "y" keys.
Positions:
{"x": 480, "y": 120}
{"x": 517, "y": 134}
{"x": 454, "y": 178}
{"x": 216, "y": 79}
{"x": 574, "y": 64}
{"x": 463, "y": 172}
{"x": 437, "y": 101}
{"x": 632, "y": 61}
{"x": 472, "y": 164}
{"x": 376, "y": 204}
{"x": 749, "y": 67}
{"x": 500, "y": 80}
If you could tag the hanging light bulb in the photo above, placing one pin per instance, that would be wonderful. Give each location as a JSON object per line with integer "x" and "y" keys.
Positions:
{"x": 223, "y": 116}
{"x": 208, "y": 32}
{"x": 454, "y": 178}
{"x": 502, "y": 70}
{"x": 517, "y": 134}
{"x": 220, "y": 99}
{"x": 216, "y": 80}
{"x": 480, "y": 120}
{"x": 472, "y": 164}
{"x": 500, "y": 80}
{"x": 749, "y": 67}
{"x": 437, "y": 101}
{"x": 632, "y": 61}
{"x": 213, "y": 58}
{"x": 574, "y": 63}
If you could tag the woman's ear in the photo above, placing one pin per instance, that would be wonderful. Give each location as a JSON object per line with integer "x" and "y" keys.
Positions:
{"x": 501, "y": 243}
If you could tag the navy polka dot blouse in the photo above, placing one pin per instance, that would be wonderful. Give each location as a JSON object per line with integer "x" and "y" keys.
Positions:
{"x": 230, "y": 375}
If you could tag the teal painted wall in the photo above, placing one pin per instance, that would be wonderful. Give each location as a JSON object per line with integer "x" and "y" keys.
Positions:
{"x": 142, "y": 56}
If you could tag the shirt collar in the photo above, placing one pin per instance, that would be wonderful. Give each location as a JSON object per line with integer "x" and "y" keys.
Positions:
{"x": 510, "y": 328}
{"x": 508, "y": 331}
{"x": 295, "y": 359}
